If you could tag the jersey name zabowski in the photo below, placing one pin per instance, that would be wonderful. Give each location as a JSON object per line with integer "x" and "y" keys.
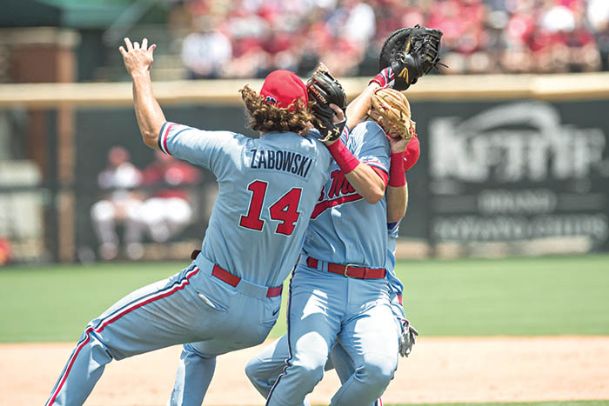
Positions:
{"x": 285, "y": 161}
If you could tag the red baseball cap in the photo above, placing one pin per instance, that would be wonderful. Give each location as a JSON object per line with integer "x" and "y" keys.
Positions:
{"x": 282, "y": 88}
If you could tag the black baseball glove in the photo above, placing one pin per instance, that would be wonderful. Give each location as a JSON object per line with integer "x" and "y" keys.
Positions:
{"x": 324, "y": 89}
{"x": 410, "y": 53}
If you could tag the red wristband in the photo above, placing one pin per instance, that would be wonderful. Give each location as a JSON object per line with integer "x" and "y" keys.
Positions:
{"x": 343, "y": 157}
{"x": 397, "y": 174}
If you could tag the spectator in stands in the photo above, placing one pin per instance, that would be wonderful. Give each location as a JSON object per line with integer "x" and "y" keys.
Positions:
{"x": 207, "y": 51}
{"x": 169, "y": 210}
{"x": 120, "y": 205}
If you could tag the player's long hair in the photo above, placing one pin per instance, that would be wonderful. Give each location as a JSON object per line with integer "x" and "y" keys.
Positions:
{"x": 265, "y": 117}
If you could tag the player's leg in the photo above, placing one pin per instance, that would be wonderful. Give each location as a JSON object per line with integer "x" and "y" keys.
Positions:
{"x": 371, "y": 341}
{"x": 343, "y": 364}
{"x": 315, "y": 311}
{"x": 194, "y": 374}
{"x": 164, "y": 313}
{"x": 264, "y": 368}
{"x": 246, "y": 321}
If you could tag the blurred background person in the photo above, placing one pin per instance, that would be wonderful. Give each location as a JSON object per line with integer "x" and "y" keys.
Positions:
{"x": 169, "y": 210}
{"x": 120, "y": 205}
{"x": 207, "y": 50}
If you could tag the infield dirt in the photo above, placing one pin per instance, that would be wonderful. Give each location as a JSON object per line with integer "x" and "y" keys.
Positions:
{"x": 439, "y": 370}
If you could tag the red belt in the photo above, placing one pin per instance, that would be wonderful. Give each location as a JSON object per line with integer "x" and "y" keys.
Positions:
{"x": 350, "y": 271}
{"x": 234, "y": 280}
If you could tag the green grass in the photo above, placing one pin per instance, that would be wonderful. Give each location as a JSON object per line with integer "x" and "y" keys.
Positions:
{"x": 520, "y": 296}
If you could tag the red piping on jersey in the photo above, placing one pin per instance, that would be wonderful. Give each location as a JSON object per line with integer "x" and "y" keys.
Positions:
{"x": 114, "y": 318}
{"x": 165, "y": 137}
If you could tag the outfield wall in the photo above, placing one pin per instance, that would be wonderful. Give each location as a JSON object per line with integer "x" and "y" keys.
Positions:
{"x": 509, "y": 165}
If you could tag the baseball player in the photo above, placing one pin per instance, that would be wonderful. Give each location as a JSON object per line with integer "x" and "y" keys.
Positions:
{"x": 229, "y": 296}
{"x": 338, "y": 292}
{"x": 264, "y": 369}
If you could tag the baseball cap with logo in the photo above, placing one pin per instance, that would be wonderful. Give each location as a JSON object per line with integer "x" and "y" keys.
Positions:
{"x": 282, "y": 88}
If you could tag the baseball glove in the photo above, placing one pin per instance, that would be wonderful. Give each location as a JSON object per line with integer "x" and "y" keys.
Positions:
{"x": 324, "y": 90}
{"x": 411, "y": 53}
{"x": 391, "y": 110}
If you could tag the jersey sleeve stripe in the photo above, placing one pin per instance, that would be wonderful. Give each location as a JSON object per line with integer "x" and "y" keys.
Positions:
{"x": 163, "y": 135}
{"x": 160, "y": 144}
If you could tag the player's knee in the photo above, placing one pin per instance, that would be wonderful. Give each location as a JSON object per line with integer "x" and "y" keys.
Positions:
{"x": 310, "y": 371}
{"x": 253, "y": 370}
{"x": 378, "y": 370}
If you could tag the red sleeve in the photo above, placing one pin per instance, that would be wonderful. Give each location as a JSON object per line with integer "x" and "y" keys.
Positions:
{"x": 382, "y": 174}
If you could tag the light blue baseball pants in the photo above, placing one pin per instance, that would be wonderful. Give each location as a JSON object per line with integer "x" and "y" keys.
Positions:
{"x": 264, "y": 369}
{"x": 326, "y": 309}
{"x": 189, "y": 307}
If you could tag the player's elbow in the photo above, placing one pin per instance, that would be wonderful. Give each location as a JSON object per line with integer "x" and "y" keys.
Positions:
{"x": 375, "y": 194}
{"x": 150, "y": 138}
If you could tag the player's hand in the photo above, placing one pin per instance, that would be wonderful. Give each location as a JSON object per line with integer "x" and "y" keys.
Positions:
{"x": 408, "y": 338}
{"x": 339, "y": 114}
{"x": 397, "y": 145}
{"x": 338, "y": 121}
{"x": 137, "y": 57}
{"x": 400, "y": 143}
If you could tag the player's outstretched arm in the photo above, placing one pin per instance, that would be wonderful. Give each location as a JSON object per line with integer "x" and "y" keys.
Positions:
{"x": 397, "y": 189}
{"x": 138, "y": 59}
{"x": 357, "y": 110}
{"x": 365, "y": 180}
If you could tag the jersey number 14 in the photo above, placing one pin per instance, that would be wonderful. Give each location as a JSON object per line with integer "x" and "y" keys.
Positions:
{"x": 284, "y": 210}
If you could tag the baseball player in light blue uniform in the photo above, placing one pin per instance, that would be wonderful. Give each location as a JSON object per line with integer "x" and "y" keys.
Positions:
{"x": 229, "y": 296}
{"x": 347, "y": 237}
{"x": 264, "y": 369}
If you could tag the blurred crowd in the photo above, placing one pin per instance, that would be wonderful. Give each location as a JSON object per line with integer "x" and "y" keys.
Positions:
{"x": 153, "y": 203}
{"x": 248, "y": 38}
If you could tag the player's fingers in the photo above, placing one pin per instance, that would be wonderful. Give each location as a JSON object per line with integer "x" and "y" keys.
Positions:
{"x": 340, "y": 115}
{"x": 151, "y": 49}
{"x": 122, "y": 50}
{"x": 128, "y": 44}
{"x": 145, "y": 44}
{"x": 136, "y": 45}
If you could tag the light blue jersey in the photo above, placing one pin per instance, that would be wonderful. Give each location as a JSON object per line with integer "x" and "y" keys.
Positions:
{"x": 268, "y": 187}
{"x": 345, "y": 229}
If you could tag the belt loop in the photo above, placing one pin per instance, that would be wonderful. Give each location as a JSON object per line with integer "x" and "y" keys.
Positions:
{"x": 312, "y": 262}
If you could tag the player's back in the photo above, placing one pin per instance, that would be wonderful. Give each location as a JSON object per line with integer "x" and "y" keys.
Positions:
{"x": 268, "y": 188}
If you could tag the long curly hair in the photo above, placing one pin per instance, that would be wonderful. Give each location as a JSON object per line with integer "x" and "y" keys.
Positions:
{"x": 265, "y": 117}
